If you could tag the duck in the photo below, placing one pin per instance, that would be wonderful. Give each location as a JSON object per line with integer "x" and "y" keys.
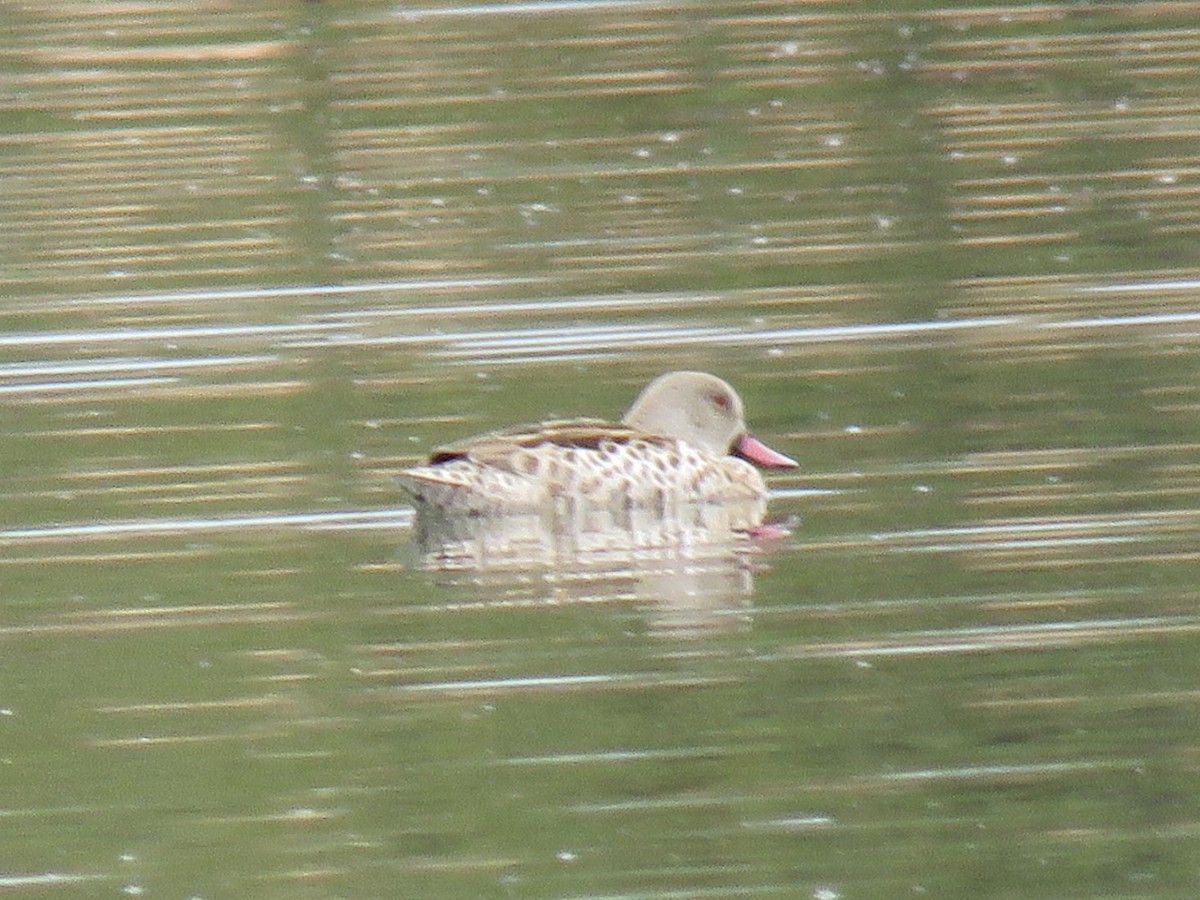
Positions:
{"x": 683, "y": 441}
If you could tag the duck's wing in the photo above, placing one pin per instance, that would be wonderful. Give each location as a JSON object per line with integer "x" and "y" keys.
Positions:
{"x": 500, "y": 448}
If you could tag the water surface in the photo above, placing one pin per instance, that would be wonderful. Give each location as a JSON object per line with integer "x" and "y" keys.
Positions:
{"x": 255, "y": 261}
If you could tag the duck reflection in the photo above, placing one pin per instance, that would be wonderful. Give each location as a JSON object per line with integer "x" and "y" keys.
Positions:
{"x": 692, "y": 571}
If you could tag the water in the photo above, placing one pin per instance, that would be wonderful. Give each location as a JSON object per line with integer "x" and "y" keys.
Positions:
{"x": 254, "y": 262}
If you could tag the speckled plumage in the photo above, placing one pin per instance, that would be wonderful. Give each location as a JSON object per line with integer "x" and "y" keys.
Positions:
{"x": 633, "y": 465}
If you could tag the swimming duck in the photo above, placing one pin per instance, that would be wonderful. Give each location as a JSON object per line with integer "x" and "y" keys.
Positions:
{"x": 683, "y": 441}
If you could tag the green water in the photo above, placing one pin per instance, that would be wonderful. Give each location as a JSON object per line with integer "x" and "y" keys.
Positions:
{"x": 256, "y": 260}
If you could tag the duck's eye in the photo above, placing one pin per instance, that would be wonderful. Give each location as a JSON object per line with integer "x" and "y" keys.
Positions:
{"x": 721, "y": 401}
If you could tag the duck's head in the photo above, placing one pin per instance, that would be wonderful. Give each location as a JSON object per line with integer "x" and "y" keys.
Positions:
{"x": 704, "y": 411}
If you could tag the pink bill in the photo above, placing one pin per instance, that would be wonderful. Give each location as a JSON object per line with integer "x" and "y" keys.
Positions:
{"x": 751, "y": 448}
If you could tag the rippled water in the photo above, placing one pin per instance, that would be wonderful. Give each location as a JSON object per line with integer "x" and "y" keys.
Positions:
{"x": 257, "y": 260}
